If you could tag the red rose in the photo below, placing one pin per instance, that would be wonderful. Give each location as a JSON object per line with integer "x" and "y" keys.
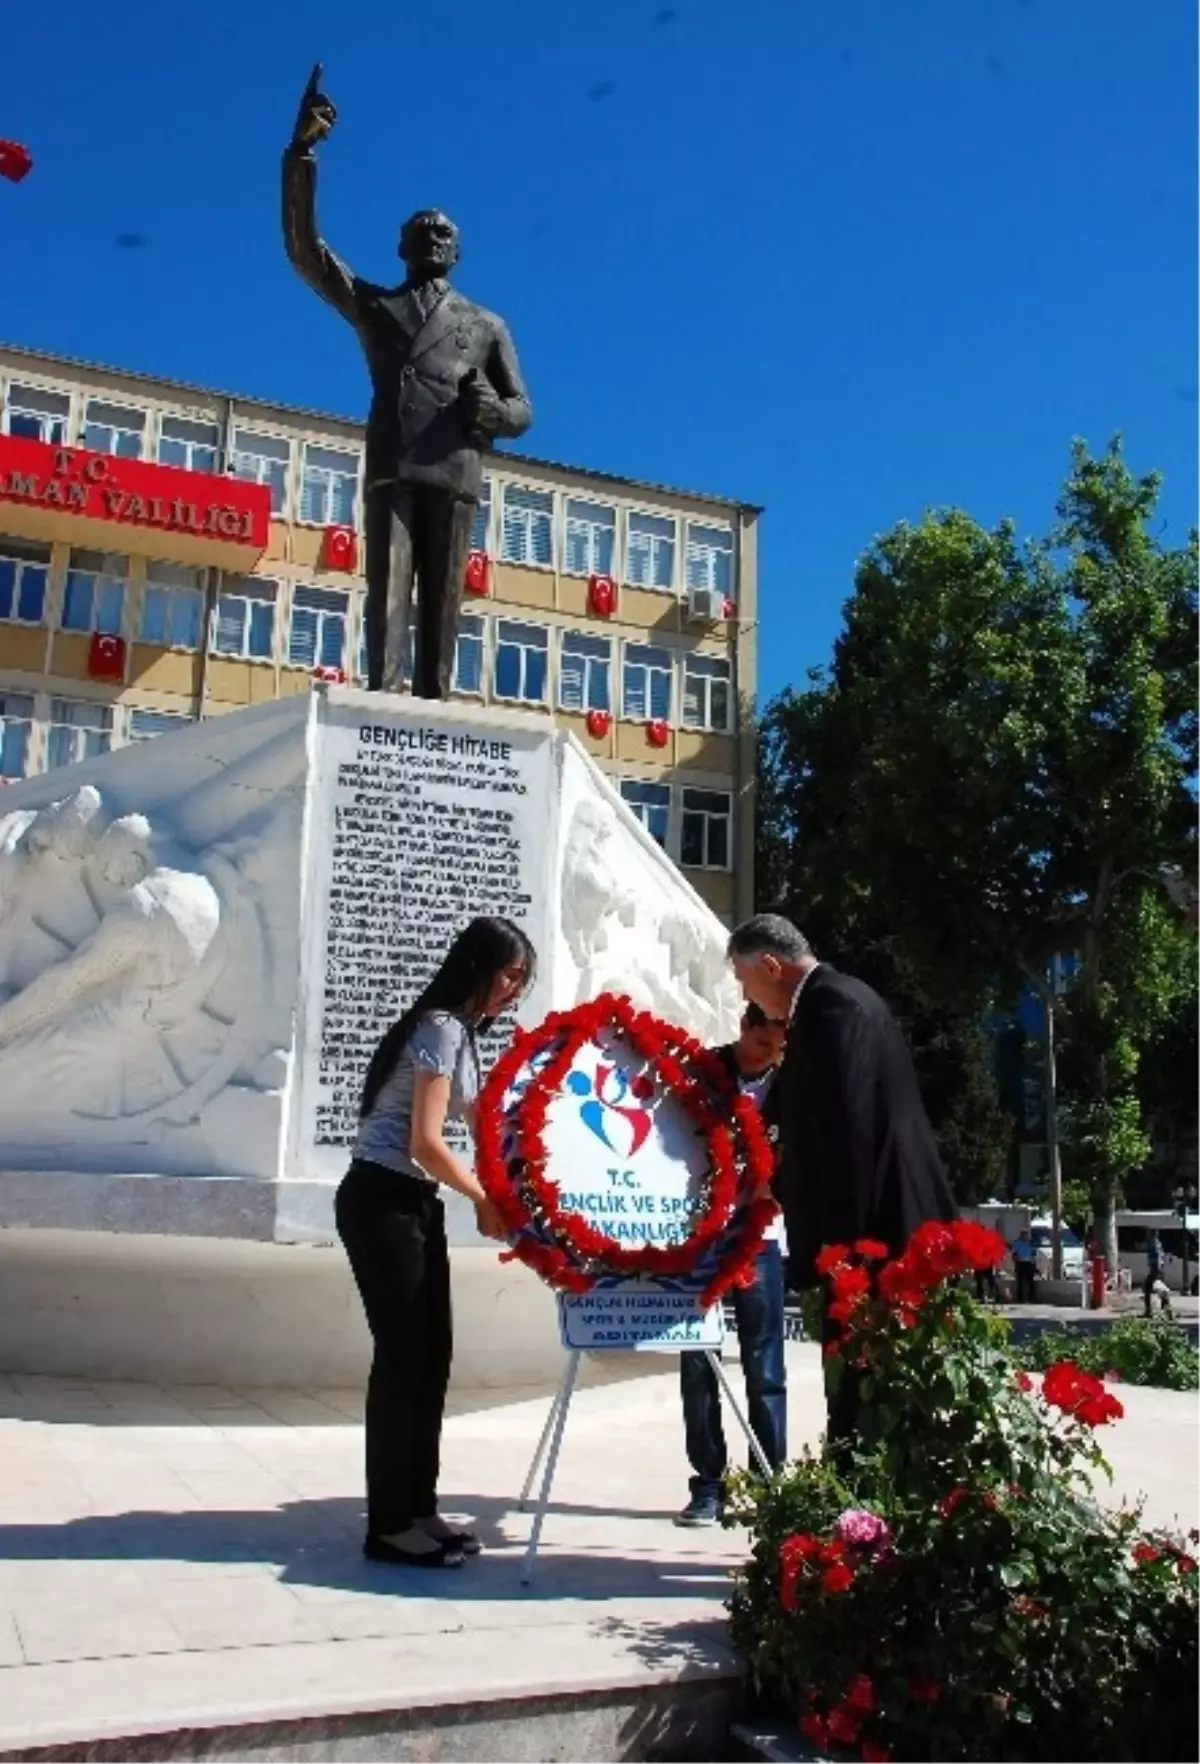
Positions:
{"x": 860, "y": 1695}
{"x": 1063, "y": 1384}
{"x": 850, "y": 1287}
{"x": 935, "y": 1250}
{"x": 925, "y": 1690}
{"x": 980, "y": 1246}
{"x": 1080, "y": 1394}
{"x": 1144, "y": 1552}
{"x": 1024, "y": 1381}
{"x": 1186, "y": 1564}
{"x": 950, "y": 1503}
{"x": 814, "y": 1727}
{"x": 837, "y": 1579}
{"x": 871, "y": 1250}
{"x": 844, "y": 1725}
{"x": 834, "y": 1255}
{"x": 874, "y": 1753}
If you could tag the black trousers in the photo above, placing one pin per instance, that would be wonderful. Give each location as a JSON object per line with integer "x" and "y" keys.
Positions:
{"x": 1026, "y": 1282}
{"x": 393, "y": 1228}
{"x": 414, "y": 533}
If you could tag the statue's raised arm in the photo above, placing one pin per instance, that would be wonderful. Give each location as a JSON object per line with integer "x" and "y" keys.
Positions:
{"x": 320, "y": 267}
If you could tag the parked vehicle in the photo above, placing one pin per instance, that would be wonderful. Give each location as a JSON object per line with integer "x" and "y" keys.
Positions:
{"x": 1073, "y": 1252}
{"x": 1133, "y": 1231}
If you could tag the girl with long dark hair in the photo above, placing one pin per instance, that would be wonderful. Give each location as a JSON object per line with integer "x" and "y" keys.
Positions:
{"x": 390, "y": 1219}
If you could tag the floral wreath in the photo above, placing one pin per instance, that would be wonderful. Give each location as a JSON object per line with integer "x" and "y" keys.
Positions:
{"x": 566, "y": 1249}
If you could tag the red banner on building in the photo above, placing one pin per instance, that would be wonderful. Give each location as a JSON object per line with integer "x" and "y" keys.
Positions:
{"x": 49, "y": 492}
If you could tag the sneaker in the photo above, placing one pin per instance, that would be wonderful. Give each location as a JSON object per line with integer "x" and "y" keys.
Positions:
{"x": 702, "y": 1509}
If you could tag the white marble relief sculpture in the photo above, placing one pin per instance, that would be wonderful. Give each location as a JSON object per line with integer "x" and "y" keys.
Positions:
{"x": 631, "y": 925}
{"x": 141, "y": 1019}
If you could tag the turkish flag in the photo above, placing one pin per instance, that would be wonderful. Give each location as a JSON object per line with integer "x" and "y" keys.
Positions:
{"x": 597, "y": 724}
{"x": 602, "y": 596}
{"x": 339, "y": 549}
{"x": 658, "y": 733}
{"x": 478, "y": 573}
{"x": 15, "y": 161}
{"x": 106, "y": 657}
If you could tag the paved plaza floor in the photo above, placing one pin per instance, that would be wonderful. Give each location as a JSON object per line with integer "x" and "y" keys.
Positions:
{"x": 190, "y": 1556}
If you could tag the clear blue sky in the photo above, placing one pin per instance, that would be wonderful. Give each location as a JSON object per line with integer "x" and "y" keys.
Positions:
{"x": 846, "y": 260}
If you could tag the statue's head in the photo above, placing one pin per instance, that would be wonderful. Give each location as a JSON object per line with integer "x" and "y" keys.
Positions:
{"x": 123, "y": 854}
{"x": 429, "y": 244}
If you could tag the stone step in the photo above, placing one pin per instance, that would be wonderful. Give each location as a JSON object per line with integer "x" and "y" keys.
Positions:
{"x": 683, "y": 1722}
{"x": 773, "y": 1741}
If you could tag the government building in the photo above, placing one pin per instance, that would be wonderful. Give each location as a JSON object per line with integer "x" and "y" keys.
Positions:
{"x": 169, "y": 553}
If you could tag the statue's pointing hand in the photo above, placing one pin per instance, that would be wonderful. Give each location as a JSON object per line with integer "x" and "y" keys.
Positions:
{"x": 316, "y": 115}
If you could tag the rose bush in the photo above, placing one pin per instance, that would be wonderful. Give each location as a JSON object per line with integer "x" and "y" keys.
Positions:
{"x": 949, "y": 1588}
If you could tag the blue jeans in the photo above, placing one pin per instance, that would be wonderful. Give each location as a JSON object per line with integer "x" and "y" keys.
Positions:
{"x": 758, "y": 1310}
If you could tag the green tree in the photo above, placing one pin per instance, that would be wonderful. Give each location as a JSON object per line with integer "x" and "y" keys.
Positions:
{"x": 993, "y": 771}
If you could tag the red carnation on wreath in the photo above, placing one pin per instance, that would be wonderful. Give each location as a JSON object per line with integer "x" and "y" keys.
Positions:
{"x": 559, "y": 1244}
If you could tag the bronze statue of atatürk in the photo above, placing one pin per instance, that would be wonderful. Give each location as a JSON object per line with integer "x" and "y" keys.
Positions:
{"x": 445, "y": 385}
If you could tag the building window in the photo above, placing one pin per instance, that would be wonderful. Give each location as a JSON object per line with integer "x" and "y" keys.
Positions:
{"x": 705, "y": 842}
{"x": 34, "y": 415}
{"x": 468, "y": 654}
{"x": 481, "y": 521}
{"x": 78, "y": 731}
{"x": 144, "y": 725}
{"x": 707, "y": 692}
{"x": 590, "y": 538}
{"x": 528, "y": 536}
{"x": 650, "y": 551}
{"x": 522, "y": 652}
{"x": 317, "y": 636}
{"x": 16, "y": 721}
{"x": 710, "y": 558}
{"x": 262, "y": 459}
{"x": 245, "y": 620}
{"x": 584, "y": 670}
{"x": 194, "y": 446}
{"x": 114, "y": 428}
{"x": 646, "y": 683}
{"x": 94, "y": 594}
{"x": 328, "y": 483}
{"x": 172, "y": 606}
{"x": 651, "y": 803}
{"x": 24, "y": 573}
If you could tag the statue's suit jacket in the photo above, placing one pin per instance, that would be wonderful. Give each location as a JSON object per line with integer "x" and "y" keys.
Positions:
{"x": 415, "y": 430}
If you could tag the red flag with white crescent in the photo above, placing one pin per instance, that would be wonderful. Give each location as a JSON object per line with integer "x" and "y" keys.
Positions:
{"x": 15, "y": 161}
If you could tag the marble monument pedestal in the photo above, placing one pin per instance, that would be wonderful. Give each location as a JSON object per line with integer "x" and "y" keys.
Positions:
{"x": 201, "y": 939}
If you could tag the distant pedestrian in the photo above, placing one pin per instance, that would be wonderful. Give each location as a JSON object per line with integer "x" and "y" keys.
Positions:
{"x": 985, "y": 1285}
{"x": 1024, "y": 1257}
{"x": 1154, "y": 1286}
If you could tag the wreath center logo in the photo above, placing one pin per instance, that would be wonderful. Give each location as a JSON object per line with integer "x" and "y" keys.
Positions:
{"x": 622, "y": 1128}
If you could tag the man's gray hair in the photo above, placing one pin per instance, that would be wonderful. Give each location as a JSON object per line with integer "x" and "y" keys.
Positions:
{"x": 769, "y": 934}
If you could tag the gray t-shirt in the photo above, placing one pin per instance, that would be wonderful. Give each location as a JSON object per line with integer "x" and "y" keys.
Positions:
{"x": 440, "y": 1043}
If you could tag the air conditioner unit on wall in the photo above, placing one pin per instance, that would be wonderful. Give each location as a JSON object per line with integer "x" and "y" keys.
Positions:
{"x": 705, "y": 603}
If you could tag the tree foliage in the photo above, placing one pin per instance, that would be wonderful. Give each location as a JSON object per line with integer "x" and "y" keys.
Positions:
{"x": 991, "y": 774}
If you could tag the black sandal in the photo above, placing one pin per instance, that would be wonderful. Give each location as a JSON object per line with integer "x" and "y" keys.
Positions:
{"x": 447, "y": 1555}
{"x": 466, "y": 1541}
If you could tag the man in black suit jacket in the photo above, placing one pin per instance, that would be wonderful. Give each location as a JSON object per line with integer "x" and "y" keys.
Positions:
{"x": 857, "y": 1153}
{"x": 445, "y": 384}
